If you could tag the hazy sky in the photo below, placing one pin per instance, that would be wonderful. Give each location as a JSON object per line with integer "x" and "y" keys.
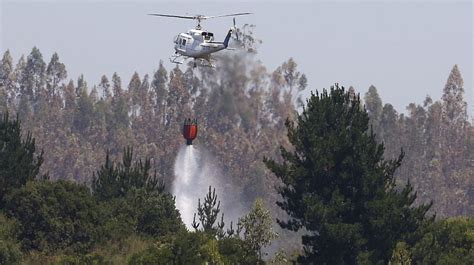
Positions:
{"x": 406, "y": 49}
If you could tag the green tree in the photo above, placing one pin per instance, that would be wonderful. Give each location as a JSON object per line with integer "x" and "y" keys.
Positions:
{"x": 337, "y": 185}
{"x": 235, "y": 250}
{"x": 18, "y": 161}
{"x": 10, "y": 252}
{"x": 55, "y": 216}
{"x": 448, "y": 241}
{"x": 158, "y": 216}
{"x": 186, "y": 248}
{"x": 208, "y": 213}
{"x": 113, "y": 181}
{"x": 401, "y": 255}
{"x": 196, "y": 247}
{"x": 257, "y": 227}
{"x": 141, "y": 212}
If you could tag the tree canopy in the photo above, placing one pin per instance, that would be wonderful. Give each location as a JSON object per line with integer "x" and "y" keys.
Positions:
{"x": 18, "y": 161}
{"x": 337, "y": 185}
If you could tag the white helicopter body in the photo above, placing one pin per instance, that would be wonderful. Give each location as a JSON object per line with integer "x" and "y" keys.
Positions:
{"x": 197, "y": 43}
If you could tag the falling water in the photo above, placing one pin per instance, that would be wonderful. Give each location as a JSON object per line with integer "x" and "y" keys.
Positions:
{"x": 194, "y": 172}
{"x": 186, "y": 181}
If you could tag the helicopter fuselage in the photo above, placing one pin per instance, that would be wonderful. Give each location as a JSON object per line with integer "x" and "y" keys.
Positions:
{"x": 198, "y": 44}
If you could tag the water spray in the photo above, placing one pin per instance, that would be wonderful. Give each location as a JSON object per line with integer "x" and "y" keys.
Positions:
{"x": 194, "y": 171}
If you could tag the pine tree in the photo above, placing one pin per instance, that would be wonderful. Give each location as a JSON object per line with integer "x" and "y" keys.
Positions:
{"x": 208, "y": 213}
{"x": 114, "y": 181}
{"x": 337, "y": 185}
{"x": 18, "y": 161}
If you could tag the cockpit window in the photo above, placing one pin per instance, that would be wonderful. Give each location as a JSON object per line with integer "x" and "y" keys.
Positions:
{"x": 207, "y": 35}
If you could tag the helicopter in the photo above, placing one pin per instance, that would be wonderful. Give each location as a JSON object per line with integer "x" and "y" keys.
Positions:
{"x": 197, "y": 43}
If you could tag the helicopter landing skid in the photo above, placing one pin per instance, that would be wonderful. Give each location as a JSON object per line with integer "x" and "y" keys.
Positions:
{"x": 204, "y": 62}
{"x": 177, "y": 59}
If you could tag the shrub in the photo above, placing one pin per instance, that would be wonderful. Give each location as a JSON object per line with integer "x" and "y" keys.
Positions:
{"x": 55, "y": 216}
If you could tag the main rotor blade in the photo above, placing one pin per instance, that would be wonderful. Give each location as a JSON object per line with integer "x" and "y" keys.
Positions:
{"x": 175, "y": 16}
{"x": 230, "y": 15}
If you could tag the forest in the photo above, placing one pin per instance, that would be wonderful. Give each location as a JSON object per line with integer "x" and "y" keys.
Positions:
{"x": 86, "y": 170}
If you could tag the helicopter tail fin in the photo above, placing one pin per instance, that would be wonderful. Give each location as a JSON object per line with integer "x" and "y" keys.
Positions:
{"x": 227, "y": 38}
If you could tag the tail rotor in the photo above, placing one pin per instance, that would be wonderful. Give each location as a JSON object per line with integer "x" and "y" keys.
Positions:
{"x": 234, "y": 29}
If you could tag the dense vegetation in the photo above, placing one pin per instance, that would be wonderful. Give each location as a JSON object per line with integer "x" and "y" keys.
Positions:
{"x": 66, "y": 222}
{"x": 74, "y": 191}
{"x": 438, "y": 141}
{"x": 337, "y": 185}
